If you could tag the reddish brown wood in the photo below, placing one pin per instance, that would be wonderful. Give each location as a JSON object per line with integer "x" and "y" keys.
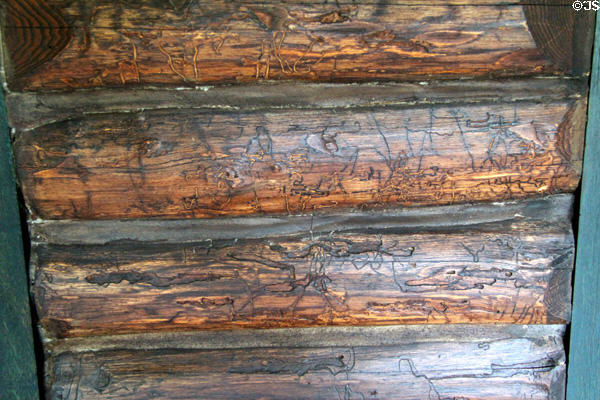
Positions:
{"x": 109, "y": 44}
{"x": 192, "y": 163}
{"x": 501, "y": 273}
{"x": 136, "y": 309}
{"x": 35, "y": 33}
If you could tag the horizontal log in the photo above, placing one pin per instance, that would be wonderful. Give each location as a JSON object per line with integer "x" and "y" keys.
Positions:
{"x": 57, "y": 44}
{"x": 191, "y": 163}
{"x": 506, "y": 272}
{"x": 490, "y": 365}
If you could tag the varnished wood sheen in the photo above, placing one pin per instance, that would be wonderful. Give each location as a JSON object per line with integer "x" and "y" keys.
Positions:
{"x": 483, "y": 363}
{"x": 515, "y": 272}
{"x": 202, "y": 163}
{"x": 299, "y": 199}
{"x": 76, "y": 44}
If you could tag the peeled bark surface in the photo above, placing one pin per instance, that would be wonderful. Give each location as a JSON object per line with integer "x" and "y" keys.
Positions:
{"x": 108, "y": 43}
{"x": 482, "y": 363}
{"x": 502, "y": 272}
{"x": 301, "y": 198}
{"x": 194, "y": 163}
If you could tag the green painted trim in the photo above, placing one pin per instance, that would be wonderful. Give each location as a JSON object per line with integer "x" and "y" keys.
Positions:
{"x": 18, "y": 376}
{"x": 583, "y": 380}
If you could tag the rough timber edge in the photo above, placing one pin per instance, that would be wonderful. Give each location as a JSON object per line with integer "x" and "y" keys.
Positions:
{"x": 31, "y": 110}
{"x": 552, "y": 209}
{"x": 305, "y": 337}
{"x": 332, "y": 337}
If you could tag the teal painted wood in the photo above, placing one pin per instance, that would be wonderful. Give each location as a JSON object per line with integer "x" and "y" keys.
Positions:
{"x": 18, "y": 378}
{"x": 584, "y": 356}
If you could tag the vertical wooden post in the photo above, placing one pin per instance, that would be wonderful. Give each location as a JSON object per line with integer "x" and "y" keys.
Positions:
{"x": 584, "y": 358}
{"x": 18, "y": 379}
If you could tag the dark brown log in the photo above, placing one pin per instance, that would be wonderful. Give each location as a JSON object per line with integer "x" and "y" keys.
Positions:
{"x": 189, "y": 163}
{"x": 107, "y": 43}
{"x": 487, "y": 363}
{"x": 509, "y": 272}
{"x": 35, "y": 33}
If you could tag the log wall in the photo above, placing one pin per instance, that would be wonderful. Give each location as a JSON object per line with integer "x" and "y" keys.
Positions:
{"x": 103, "y": 43}
{"x": 482, "y": 362}
{"x": 194, "y": 163}
{"x": 299, "y": 199}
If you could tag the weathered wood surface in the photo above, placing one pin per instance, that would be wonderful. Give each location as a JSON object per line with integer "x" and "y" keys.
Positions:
{"x": 506, "y": 272}
{"x": 189, "y": 163}
{"x": 484, "y": 363}
{"x": 550, "y": 209}
{"x": 65, "y": 44}
{"x": 31, "y": 110}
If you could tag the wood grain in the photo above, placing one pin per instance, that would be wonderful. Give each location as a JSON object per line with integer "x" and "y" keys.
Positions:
{"x": 549, "y": 209}
{"x": 510, "y": 272}
{"x": 562, "y": 34}
{"x": 198, "y": 163}
{"x": 34, "y": 33}
{"x": 106, "y": 43}
{"x": 31, "y": 110}
{"x": 481, "y": 366}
